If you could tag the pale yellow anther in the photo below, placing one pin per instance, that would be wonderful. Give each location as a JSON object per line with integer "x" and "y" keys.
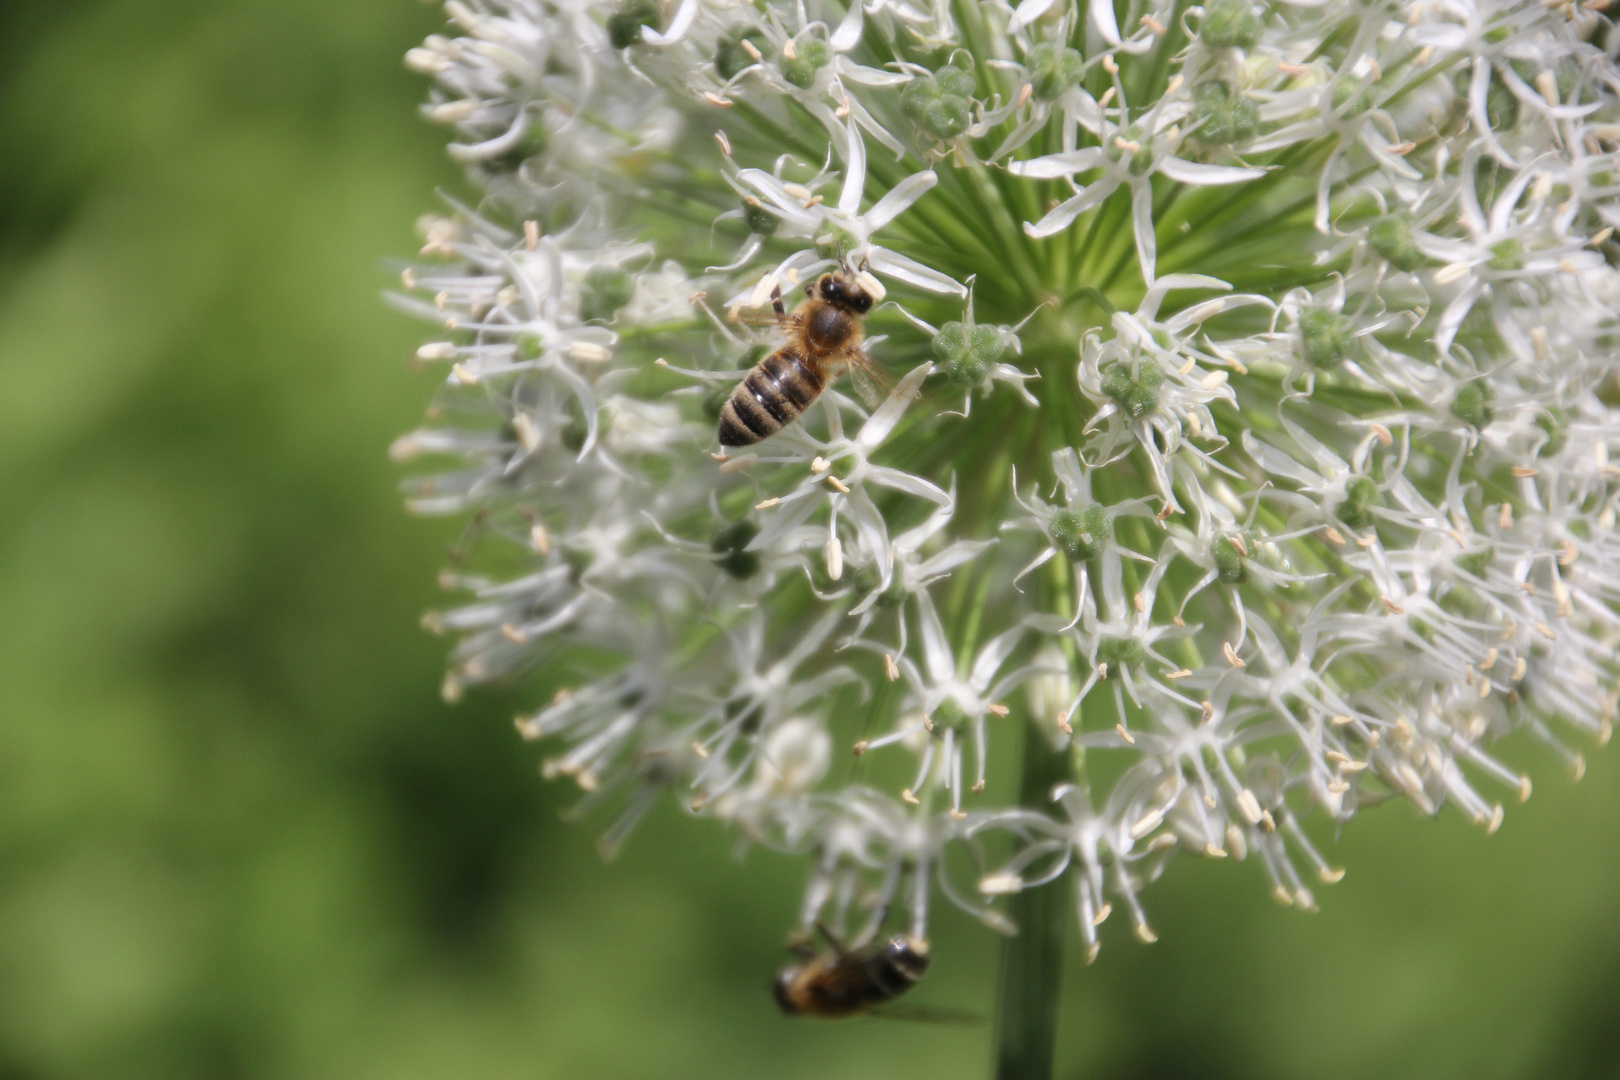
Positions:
{"x": 1119, "y": 729}
{"x": 995, "y": 708}
{"x": 1523, "y": 472}
{"x": 1231, "y": 655}
{"x": 1538, "y": 339}
{"x": 541, "y": 539}
{"x": 891, "y": 670}
{"x": 820, "y": 465}
{"x": 766, "y": 504}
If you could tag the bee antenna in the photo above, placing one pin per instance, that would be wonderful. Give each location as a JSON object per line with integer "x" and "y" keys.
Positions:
{"x": 838, "y": 248}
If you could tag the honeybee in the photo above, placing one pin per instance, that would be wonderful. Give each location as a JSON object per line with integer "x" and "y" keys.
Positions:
{"x": 823, "y": 341}
{"x": 848, "y": 982}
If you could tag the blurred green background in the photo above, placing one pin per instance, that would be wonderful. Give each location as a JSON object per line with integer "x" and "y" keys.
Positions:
{"x": 241, "y": 837}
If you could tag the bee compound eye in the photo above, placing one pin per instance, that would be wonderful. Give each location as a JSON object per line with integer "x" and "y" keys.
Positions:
{"x": 780, "y": 991}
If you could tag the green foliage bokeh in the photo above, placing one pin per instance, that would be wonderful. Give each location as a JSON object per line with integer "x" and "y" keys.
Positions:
{"x": 241, "y": 837}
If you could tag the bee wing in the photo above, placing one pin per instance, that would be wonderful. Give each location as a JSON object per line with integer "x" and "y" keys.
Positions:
{"x": 871, "y": 382}
{"x": 927, "y": 1014}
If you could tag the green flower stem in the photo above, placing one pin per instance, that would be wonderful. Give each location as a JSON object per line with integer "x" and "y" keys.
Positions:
{"x": 1032, "y": 961}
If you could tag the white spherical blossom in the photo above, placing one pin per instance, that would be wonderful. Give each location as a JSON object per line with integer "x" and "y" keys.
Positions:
{"x": 1250, "y": 442}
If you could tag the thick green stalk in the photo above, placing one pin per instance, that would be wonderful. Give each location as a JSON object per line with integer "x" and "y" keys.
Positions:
{"x": 1032, "y": 962}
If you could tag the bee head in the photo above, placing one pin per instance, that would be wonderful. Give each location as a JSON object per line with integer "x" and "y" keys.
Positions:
{"x": 908, "y": 955}
{"x": 782, "y": 989}
{"x": 841, "y": 290}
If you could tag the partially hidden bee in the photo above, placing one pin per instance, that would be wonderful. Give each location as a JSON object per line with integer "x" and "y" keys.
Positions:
{"x": 823, "y": 341}
{"x": 848, "y": 982}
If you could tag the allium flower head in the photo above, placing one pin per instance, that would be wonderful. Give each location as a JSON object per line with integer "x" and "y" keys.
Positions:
{"x": 1248, "y": 438}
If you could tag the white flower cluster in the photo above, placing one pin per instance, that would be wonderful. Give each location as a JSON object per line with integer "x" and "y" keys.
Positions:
{"x": 1290, "y": 484}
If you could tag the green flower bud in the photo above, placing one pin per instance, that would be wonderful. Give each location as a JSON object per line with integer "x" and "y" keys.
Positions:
{"x": 606, "y": 290}
{"x": 730, "y": 57}
{"x": 1118, "y": 653}
{"x": 730, "y": 545}
{"x": 759, "y": 220}
{"x": 1325, "y": 338}
{"x": 947, "y": 117}
{"x": 1137, "y": 394}
{"x": 1223, "y": 116}
{"x": 714, "y": 401}
{"x": 1472, "y": 405}
{"x": 967, "y": 353}
{"x": 1501, "y": 105}
{"x": 1477, "y": 562}
{"x": 956, "y": 82}
{"x": 809, "y": 57}
{"x": 533, "y": 143}
{"x": 942, "y": 103}
{"x": 1229, "y": 24}
{"x": 1391, "y": 237}
{"x": 1555, "y": 422}
{"x": 1361, "y": 494}
{"x": 1053, "y": 69}
{"x": 1506, "y": 255}
{"x": 529, "y": 346}
{"x": 1080, "y": 533}
{"x": 1231, "y": 566}
{"x": 1350, "y": 98}
{"x": 624, "y": 25}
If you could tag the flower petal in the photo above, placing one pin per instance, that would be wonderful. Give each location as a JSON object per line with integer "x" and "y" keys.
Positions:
{"x": 1196, "y": 172}
{"x": 899, "y": 198}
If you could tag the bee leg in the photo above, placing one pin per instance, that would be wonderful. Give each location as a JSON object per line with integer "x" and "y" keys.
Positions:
{"x": 776, "y": 301}
{"x": 832, "y": 939}
{"x": 802, "y": 944}
{"x": 866, "y": 264}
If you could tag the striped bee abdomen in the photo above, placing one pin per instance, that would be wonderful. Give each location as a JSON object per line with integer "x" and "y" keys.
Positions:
{"x": 774, "y": 393}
